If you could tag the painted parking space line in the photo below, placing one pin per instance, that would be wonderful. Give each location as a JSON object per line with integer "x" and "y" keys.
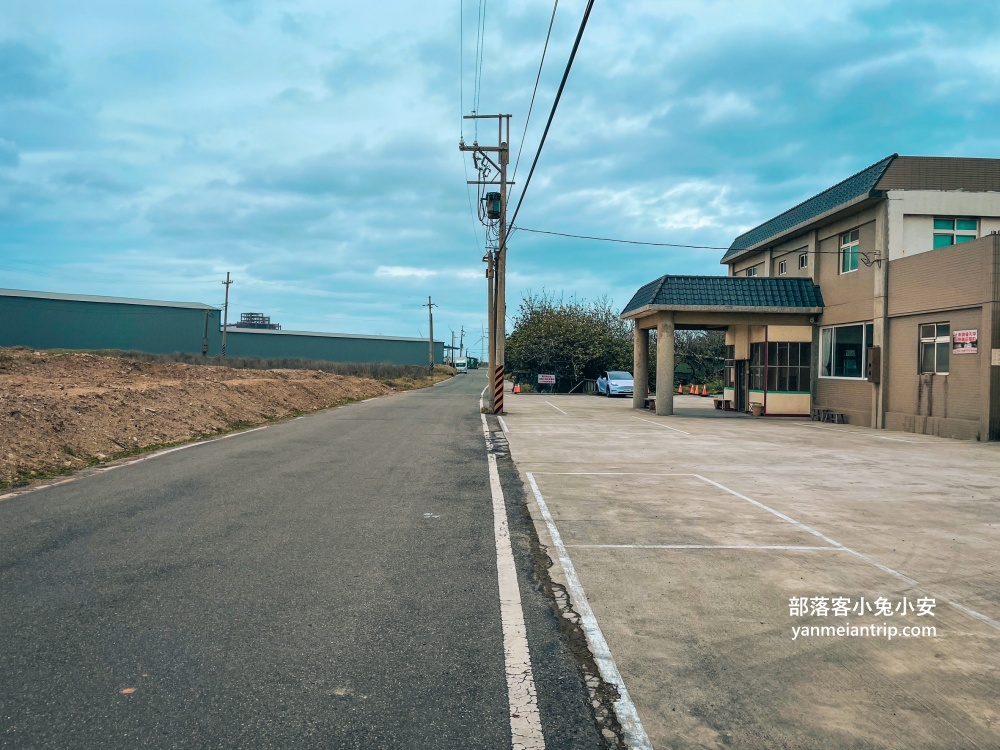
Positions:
{"x": 868, "y": 433}
{"x": 658, "y": 424}
{"x": 525, "y": 721}
{"x": 635, "y": 735}
{"x": 556, "y": 408}
{"x": 782, "y": 547}
{"x": 834, "y": 544}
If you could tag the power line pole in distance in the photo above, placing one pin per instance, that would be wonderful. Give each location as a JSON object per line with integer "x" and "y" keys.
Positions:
{"x": 498, "y": 318}
{"x": 430, "y": 316}
{"x": 225, "y": 313}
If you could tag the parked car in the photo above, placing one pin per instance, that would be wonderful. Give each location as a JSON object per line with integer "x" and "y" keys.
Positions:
{"x": 615, "y": 383}
{"x": 461, "y": 366}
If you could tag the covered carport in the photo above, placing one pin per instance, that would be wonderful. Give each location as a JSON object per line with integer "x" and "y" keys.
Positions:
{"x": 752, "y": 304}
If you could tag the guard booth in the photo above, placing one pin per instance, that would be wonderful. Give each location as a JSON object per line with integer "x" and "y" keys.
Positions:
{"x": 771, "y": 336}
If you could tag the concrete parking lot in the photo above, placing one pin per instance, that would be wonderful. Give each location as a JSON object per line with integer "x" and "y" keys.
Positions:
{"x": 713, "y": 550}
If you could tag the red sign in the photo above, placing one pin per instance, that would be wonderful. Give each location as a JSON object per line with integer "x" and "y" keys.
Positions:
{"x": 965, "y": 342}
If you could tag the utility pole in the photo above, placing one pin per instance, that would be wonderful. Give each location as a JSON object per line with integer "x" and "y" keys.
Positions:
{"x": 461, "y": 343}
{"x": 430, "y": 315}
{"x": 490, "y": 317}
{"x": 495, "y": 213}
{"x": 452, "y": 348}
{"x": 225, "y": 314}
{"x": 204, "y": 339}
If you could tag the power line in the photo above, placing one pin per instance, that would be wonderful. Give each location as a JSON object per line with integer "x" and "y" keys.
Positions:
{"x": 555, "y": 104}
{"x": 800, "y": 251}
{"x": 624, "y": 242}
{"x": 535, "y": 90}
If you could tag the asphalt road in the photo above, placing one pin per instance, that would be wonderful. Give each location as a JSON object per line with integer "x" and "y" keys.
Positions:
{"x": 330, "y": 581}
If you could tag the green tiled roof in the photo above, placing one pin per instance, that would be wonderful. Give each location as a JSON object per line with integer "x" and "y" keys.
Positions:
{"x": 728, "y": 291}
{"x": 855, "y": 186}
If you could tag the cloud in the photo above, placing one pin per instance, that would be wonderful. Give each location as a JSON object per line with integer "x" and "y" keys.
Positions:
{"x": 9, "y": 155}
{"x": 28, "y": 71}
{"x": 404, "y": 272}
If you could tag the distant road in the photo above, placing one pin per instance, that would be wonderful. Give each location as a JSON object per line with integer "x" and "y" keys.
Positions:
{"x": 327, "y": 582}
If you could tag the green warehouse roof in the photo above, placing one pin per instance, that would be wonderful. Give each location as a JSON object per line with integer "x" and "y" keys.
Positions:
{"x": 855, "y": 187}
{"x": 787, "y": 294}
{"x": 106, "y": 300}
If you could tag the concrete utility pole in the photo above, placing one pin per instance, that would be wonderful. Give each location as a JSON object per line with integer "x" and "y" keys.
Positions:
{"x": 461, "y": 343}
{"x": 498, "y": 315}
{"x": 225, "y": 314}
{"x": 452, "y": 348}
{"x": 430, "y": 315}
{"x": 491, "y": 340}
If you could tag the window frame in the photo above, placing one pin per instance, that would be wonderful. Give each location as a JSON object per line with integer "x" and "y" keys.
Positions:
{"x": 867, "y": 333}
{"x": 780, "y": 373}
{"x": 782, "y": 267}
{"x": 803, "y": 260}
{"x": 850, "y": 247}
{"x": 967, "y": 235}
{"x": 935, "y": 343}
{"x": 751, "y": 271}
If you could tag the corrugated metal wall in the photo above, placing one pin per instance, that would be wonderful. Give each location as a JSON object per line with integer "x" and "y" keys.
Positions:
{"x": 73, "y": 324}
{"x": 278, "y": 344}
{"x": 69, "y": 324}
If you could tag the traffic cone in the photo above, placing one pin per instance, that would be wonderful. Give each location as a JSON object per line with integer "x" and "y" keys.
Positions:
{"x": 704, "y": 390}
{"x": 680, "y": 389}
{"x": 694, "y": 390}
{"x": 517, "y": 388}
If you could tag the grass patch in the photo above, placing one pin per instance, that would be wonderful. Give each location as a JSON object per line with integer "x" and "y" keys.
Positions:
{"x": 381, "y": 371}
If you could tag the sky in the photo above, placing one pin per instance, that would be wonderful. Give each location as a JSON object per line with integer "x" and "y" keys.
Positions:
{"x": 311, "y": 148}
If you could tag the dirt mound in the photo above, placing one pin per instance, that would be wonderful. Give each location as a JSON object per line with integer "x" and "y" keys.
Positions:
{"x": 59, "y": 412}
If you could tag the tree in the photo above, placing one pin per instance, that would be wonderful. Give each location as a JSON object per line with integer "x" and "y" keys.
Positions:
{"x": 573, "y": 340}
{"x": 703, "y": 352}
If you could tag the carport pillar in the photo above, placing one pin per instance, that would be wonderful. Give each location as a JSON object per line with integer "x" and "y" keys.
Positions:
{"x": 665, "y": 365}
{"x": 640, "y": 367}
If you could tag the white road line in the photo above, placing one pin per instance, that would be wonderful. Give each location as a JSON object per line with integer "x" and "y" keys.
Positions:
{"x": 666, "y": 427}
{"x": 709, "y": 546}
{"x": 866, "y": 434}
{"x": 628, "y": 717}
{"x": 884, "y": 568}
{"x": 609, "y": 474}
{"x": 556, "y": 408}
{"x": 780, "y": 515}
{"x": 834, "y": 545}
{"x": 503, "y": 425}
{"x": 525, "y": 722}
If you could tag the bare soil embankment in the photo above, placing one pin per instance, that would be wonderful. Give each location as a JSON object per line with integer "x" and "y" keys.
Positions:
{"x": 64, "y": 411}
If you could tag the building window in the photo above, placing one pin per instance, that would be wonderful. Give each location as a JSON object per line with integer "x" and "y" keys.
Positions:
{"x": 788, "y": 366}
{"x": 803, "y": 260}
{"x": 752, "y": 271}
{"x": 729, "y": 367}
{"x": 935, "y": 348}
{"x": 954, "y": 231}
{"x": 783, "y": 268}
{"x": 843, "y": 351}
{"x": 757, "y": 367}
{"x": 849, "y": 244}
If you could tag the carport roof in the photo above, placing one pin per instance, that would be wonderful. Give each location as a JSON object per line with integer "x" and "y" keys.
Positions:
{"x": 726, "y": 292}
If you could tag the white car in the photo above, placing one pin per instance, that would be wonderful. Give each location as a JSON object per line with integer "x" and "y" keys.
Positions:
{"x": 461, "y": 365}
{"x": 615, "y": 383}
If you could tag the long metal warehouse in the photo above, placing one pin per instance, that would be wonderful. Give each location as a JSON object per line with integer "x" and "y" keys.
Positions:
{"x": 49, "y": 320}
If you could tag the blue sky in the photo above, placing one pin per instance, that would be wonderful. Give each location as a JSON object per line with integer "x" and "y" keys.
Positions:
{"x": 311, "y": 148}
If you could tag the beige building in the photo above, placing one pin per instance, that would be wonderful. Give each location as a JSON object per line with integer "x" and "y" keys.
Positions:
{"x": 903, "y": 331}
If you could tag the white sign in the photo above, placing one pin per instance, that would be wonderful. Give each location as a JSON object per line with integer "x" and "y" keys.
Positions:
{"x": 546, "y": 379}
{"x": 996, "y": 357}
{"x": 965, "y": 342}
